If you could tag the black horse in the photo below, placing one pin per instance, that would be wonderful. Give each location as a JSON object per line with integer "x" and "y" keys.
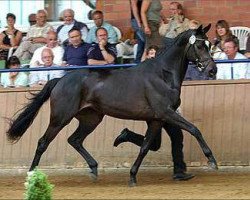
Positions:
{"x": 149, "y": 92}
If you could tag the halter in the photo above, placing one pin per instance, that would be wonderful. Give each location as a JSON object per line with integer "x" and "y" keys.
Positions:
{"x": 198, "y": 62}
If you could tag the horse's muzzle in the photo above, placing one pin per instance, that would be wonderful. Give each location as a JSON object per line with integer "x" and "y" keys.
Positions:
{"x": 211, "y": 69}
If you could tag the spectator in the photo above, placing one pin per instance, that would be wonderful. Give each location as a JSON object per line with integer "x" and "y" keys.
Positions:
{"x": 36, "y": 37}
{"x": 136, "y": 23}
{"x": 222, "y": 33}
{"x": 151, "y": 51}
{"x": 9, "y": 38}
{"x": 76, "y": 52}
{"x": 232, "y": 70}
{"x": 51, "y": 43}
{"x": 151, "y": 18}
{"x": 127, "y": 48}
{"x": 14, "y": 79}
{"x": 32, "y": 19}
{"x": 98, "y": 18}
{"x": 194, "y": 24}
{"x": 177, "y": 24}
{"x": 103, "y": 52}
{"x": 40, "y": 78}
{"x": 69, "y": 23}
{"x": 247, "y": 54}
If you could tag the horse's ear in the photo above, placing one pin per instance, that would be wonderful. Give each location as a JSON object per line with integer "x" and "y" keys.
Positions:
{"x": 199, "y": 29}
{"x": 206, "y": 29}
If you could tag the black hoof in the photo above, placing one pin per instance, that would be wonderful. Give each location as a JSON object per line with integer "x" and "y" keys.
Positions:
{"x": 132, "y": 183}
{"x": 121, "y": 138}
{"x": 94, "y": 174}
{"x": 183, "y": 176}
{"x": 212, "y": 165}
{"x": 93, "y": 177}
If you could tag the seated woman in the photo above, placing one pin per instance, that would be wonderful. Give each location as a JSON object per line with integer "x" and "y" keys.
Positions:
{"x": 151, "y": 51}
{"x": 14, "y": 79}
{"x": 222, "y": 33}
{"x": 9, "y": 38}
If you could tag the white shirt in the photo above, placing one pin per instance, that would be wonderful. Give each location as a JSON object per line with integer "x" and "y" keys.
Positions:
{"x": 232, "y": 70}
{"x": 64, "y": 32}
{"x": 58, "y": 52}
{"x": 20, "y": 81}
{"x": 36, "y": 76}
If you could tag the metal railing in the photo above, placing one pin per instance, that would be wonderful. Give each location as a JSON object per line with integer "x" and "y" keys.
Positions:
{"x": 111, "y": 66}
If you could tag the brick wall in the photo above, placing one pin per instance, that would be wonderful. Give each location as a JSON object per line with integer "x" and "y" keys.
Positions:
{"x": 236, "y": 12}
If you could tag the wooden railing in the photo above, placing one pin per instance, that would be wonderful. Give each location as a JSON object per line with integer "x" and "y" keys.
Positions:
{"x": 220, "y": 109}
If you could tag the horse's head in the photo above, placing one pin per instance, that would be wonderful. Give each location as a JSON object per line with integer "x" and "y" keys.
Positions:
{"x": 198, "y": 51}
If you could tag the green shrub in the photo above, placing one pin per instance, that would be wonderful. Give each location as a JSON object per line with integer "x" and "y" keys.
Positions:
{"x": 37, "y": 186}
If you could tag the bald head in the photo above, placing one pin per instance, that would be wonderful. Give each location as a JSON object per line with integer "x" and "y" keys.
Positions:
{"x": 51, "y": 39}
{"x": 47, "y": 57}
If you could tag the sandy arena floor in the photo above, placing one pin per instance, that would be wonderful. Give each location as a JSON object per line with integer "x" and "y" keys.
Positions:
{"x": 152, "y": 184}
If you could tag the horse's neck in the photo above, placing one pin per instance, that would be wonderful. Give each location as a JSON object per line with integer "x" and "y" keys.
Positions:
{"x": 176, "y": 66}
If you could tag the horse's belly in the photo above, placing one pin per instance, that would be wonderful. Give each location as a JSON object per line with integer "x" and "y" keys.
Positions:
{"x": 134, "y": 113}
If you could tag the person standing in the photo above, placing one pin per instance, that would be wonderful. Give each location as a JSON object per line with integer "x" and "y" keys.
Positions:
{"x": 136, "y": 23}
{"x": 151, "y": 18}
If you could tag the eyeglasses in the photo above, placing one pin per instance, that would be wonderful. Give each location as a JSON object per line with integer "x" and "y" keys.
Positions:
{"x": 95, "y": 19}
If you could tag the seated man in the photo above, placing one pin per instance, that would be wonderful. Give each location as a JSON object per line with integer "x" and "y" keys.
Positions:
{"x": 102, "y": 53}
{"x": 69, "y": 23}
{"x": 76, "y": 52}
{"x": 32, "y": 19}
{"x": 97, "y": 16}
{"x": 40, "y": 78}
{"x": 177, "y": 24}
{"x": 51, "y": 43}
{"x": 232, "y": 70}
{"x": 36, "y": 37}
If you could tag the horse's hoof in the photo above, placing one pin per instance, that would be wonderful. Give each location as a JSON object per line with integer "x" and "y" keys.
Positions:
{"x": 132, "y": 183}
{"x": 93, "y": 176}
{"x": 183, "y": 176}
{"x": 212, "y": 165}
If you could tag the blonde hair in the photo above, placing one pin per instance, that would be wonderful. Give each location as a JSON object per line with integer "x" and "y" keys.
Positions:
{"x": 194, "y": 24}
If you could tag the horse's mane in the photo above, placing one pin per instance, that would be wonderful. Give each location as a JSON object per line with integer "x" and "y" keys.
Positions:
{"x": 177, "y": 42}
{"x": 180, "y": 40}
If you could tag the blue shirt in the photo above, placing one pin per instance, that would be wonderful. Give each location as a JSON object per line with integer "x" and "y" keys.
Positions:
{"x": 112, "y": 36}
{"x": 76, "y": 55}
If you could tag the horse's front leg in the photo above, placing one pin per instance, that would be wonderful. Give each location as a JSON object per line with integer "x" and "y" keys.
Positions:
{"x": 177, "y": 120}
{"x": 154, "y": 128}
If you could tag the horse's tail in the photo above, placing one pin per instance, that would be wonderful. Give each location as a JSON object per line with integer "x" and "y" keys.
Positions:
{"x": 23, "y": 121}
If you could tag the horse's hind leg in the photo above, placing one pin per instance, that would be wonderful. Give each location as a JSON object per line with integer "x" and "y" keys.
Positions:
{"x": 43, "y": 143}
{"x": 154, "y": 128}
{"x": 87, "y": 123}
{"x": 177, "y": 120}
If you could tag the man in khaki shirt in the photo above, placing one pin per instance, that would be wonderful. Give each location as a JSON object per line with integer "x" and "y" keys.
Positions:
{"x": 36, "y": 37}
